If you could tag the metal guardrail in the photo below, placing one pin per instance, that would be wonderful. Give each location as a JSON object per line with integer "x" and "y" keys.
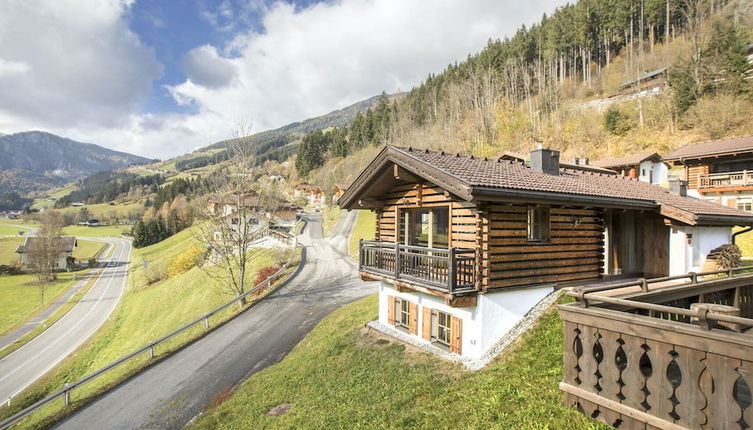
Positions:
{"x": 65, "y": 393}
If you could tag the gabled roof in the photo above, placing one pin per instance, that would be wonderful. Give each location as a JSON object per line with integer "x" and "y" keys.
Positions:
{"x": 61, "y": 244}
{"x": 481, "y": 179}
{"x": 712, "y": 148}
{"x": 628, "y": 160}
{"x": 519, "y": 156}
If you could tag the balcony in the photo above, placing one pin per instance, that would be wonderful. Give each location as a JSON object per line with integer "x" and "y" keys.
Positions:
{"x": 726, "y": 180}
{"x": 676, "y": 357}
{"x": 451, "y": 271}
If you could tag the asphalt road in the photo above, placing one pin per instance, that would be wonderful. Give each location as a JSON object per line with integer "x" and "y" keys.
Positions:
{"x": 28, "y": 363}
{"x": 169, "y": 394}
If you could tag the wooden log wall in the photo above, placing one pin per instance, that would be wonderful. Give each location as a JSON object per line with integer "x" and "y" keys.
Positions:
{"x": 573, "y": 252}
{"x": 692, "y": 172}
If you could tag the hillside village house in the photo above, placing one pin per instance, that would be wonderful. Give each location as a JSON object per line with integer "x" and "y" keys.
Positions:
{"x": 719, "y": 170}
{"x": 647, "y": 167}
{"x": 337, "y": 191}
{"x": 466, "y": 246}
{"x": 64, "y": 247}
{"x": 313, "y": 195}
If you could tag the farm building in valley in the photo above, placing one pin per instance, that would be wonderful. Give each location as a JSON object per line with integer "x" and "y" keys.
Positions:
{"x": 718, "y": 170}
{"x": 62, "y": 247}
{"x": 464, "y": 246}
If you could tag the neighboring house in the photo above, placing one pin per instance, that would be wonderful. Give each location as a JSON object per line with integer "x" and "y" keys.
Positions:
{"x": 228, "y": 204}
{"x": 653, "y": 79}
{"x": 466, "y": 246}
{"x": 64, "y": 247}
{"x": 647, "y": 167}
{"x": 284, "y": 217}
{"x": 337, "y": 191}
{"x": 76, "y": 204}
{"x": 718, "y": 170}
{"x": 575, "y": 163}
{"x": 275, "y": 176}
{"x": 313, "y": 195}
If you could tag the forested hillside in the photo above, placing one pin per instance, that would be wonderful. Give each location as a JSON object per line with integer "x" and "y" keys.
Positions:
{"x": 564, "y": 82}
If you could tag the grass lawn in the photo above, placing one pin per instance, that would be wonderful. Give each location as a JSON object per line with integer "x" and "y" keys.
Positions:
{"x": 143, "y": 314}
{"x": 20, "y": 297}
{"x": 364, "y": 229}
{"x": 87, "y": 249}
{"x": 330, "y": 216}
{"x": 745, "y": 242}
{"x": 103, "y": 231}
{"x": 104, "y": 211}
{"x": 341, "y": 376}
{"x": 8, "y": 247}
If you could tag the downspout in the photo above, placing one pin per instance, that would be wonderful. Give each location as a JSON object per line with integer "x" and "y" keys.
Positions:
{"x": 745, "y": 230}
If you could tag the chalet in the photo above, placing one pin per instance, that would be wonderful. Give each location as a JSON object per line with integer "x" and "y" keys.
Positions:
{"x": 718, "y": 170}
{"x": 646, "y": 167}
{"x": 229, "y": 204}
{"x": 63, "y": 246}
{"x": 313, "y": 195}
{"x": 466, "y": 246}
{"x": 275, "y": 176}
{"x": 337, "y": 191}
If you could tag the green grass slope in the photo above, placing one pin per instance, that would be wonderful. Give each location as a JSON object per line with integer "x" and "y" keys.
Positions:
{"x": 364, "y": 228}
{"x": 341, "y": 376}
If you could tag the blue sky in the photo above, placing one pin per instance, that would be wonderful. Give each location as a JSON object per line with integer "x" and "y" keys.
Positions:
{"x": 162, "y": 78}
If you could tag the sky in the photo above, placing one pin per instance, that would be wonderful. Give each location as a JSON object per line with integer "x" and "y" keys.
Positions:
{"x": 161, "y": 78}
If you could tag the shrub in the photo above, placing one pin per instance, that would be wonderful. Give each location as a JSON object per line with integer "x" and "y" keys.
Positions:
{"x": 185, "y": 261}
{"x": 719, "y": 116}
{"x": 616, "y": 122}
{"x": 266, "y": 273}
{"x": 154, "y": 273}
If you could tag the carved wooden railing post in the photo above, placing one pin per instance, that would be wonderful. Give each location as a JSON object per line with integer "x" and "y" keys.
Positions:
{"x": 452, "y": 273}
{"x": 397, "y": 260}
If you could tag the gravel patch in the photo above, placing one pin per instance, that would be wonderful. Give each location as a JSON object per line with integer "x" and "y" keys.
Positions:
{"x": 475, "y": 363}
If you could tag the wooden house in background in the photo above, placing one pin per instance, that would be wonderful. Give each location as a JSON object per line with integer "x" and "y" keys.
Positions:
{"x": 647, "y": 167}
{"x": 313, "y": 194}
{"x": 337, "y": 191}
{"x": 62, "y": 246}
{"x": 465, "y": 246}
{"x": 718, "y": 170}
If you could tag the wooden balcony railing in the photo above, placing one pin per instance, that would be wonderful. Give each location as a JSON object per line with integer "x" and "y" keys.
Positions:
{"x": 731, "y": 179}
{"x": 665, "y": 358}
{"x": 450, "y": 270}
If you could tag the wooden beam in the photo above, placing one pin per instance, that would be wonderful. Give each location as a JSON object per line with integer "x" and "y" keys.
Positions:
{"x": 401, "y": 174}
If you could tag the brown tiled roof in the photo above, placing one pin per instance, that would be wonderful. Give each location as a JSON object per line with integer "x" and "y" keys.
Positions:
{"x": 61, "y": 244}
{"x": 712, "y": 147}
{"x": 627, "y": 160}
{"x": 511, "y": 175}
{"x": 519, "y": 156}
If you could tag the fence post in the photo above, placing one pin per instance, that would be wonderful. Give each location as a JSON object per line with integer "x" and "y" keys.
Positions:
{"x": 452, "y": 274}
{"x": 66, "y": 396}
{"x": 151, "y": 349}
{"x": 693, "y": 277}
{"x": 397, "y": 260}
{"x": 644, "y": 285}
{"x": 206, "y": 321}
{"x": 360, "y": 255}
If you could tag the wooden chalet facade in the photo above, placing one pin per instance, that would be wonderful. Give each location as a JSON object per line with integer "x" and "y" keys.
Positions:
{"x": 478, "y": 242}
{"x": 719, "y": 170}
{"x": 644, "y": 167}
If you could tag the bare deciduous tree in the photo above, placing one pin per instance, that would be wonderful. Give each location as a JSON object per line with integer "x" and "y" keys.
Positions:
{"x": 45, "y": 251}
{"x": 235, "y": 217}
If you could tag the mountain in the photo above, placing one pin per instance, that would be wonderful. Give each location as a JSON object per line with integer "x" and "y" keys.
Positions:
{"x": 35, "y": 160}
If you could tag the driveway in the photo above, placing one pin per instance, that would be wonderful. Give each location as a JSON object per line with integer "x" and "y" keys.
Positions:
{"x": 175, "y": 390}
{"x": 28, "y": 363}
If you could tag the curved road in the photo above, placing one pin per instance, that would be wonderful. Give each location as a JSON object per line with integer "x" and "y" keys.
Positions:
{"x": 173, "y": 391}
{"x": 28, "y": 363}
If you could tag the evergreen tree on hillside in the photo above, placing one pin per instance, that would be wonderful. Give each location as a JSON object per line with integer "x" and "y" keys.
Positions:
{"x": 340, "y": 146}
{"x": 312, "y": 151}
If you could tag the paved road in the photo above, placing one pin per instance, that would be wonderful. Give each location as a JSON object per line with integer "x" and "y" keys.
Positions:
{"x": 28, "y": 363}
{"x": 175, "y": 390}
{"x": 53, "y": 307}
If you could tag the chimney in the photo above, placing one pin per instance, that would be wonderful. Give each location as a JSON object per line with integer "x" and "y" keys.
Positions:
{"x": 579, "y": 161}
{"x": 546, "y": 160}
{"x": 678, "y": 186}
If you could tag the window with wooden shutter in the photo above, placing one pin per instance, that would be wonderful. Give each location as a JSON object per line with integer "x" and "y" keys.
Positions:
{"x": 413, "y": 319}
{"x": 391, "y": 310}
{"x": 456, "y": 330}
{"x": 426, "y": 324}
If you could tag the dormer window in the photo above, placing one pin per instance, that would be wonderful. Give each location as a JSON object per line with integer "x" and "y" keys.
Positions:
{"x": 538, "y": 224}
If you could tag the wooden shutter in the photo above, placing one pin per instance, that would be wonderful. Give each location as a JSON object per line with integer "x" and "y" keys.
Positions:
{"x": 732, "y": 202}
{"x": 426, "y": 327}
{"x": 456, "y": 341}
{"x": 413, "y": 318}
{"x": 391, "y": 310}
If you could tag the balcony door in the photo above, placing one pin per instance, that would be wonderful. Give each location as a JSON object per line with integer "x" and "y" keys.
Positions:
{"x": 427, "y": 227}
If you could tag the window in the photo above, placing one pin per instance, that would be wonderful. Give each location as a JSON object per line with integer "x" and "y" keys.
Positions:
{"x": 426, "y": 227}
{"x": 538, "y": 224}
{"x": 442, "y": 329}
{"x": 745, "y": 205}
{"x": 402, "y": 312}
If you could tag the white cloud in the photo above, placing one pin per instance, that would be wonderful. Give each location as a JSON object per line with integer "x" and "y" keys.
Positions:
{"x": 85, "y": 73}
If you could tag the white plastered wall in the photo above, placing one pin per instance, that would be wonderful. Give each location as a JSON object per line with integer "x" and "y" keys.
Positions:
{"x": 687, "y": 254}
{"x": 483, "y": 325}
